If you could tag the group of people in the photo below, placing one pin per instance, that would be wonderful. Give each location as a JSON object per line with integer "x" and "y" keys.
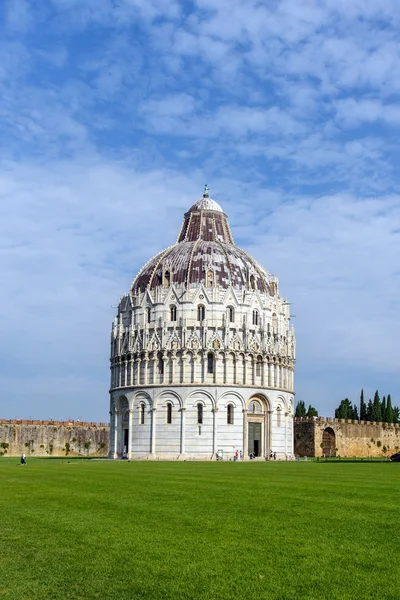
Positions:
{"x": 238, "y": 455}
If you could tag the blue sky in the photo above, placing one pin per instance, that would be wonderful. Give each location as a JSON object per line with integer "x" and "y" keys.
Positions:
{"x": 114, "y": 113}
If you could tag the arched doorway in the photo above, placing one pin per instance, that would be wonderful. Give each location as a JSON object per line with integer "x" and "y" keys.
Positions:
{"x": 123, "y": 430}
{"x": 255, "y": 428}
{"x": 328, "y": 442}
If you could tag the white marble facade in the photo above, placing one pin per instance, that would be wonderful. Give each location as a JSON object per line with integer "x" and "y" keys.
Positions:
{"x": 202, "y": 352}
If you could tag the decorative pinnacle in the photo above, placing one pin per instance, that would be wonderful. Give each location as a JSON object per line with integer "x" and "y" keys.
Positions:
{"x": 206, "y": 190}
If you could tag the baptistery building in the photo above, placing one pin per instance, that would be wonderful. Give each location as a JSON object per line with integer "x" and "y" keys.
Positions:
{"x": 202, "y": 352}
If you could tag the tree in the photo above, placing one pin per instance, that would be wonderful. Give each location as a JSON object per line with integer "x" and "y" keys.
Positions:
{"x": 354, "y": 413}
{"x": 389, "y": 410}
{"x": 300, "y": 409}
{"x": 363, "y": 407}
{"x": 312, "y": 412}
{"x": 396, "y": 414}
{"x": 344, "y": 410}
{"x": 383, "y": 409}
{"x": 370, "y": 410}
{"x": 376, "y": 408}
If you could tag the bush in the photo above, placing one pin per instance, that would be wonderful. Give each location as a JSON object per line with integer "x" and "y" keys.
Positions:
{"x": 67, "y": 449}
{"x": 379, "y": 443}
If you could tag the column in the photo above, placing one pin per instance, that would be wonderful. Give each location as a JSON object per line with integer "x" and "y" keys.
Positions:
{"x": 173, "y": 359}
{"x": 130, "y": 433}
{"x": 214, "y": 411}
{"x": 153, "y": 432}
{"x": 266, "y": 435}
{"x": 165, "y": 363}
{"x": 138, "y": 371}
{"x": 183, "y": 430}
{"x": 245, "y": 363}
{"x": 216, "y": 359}
{"x": 286, "y": 434}
{"x": 131, "y": 367}
{"x": 245, "y": 436}
{"x": 225, "y": 366}
{"x": 184, "y": 359}
{"x": 270, "y": 412}
{"x": 203, "y": 367}
{"x": 119, "y": 374}
{"x": 145, "y": 369}
{"x": 116, "y": 413}
{"x": 264, "y": 372}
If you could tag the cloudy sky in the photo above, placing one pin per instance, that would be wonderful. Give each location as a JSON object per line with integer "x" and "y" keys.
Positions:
{"x": 115, "y": 113}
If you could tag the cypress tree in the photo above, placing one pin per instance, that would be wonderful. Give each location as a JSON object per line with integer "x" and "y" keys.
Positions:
{"x": 370, "y": 410}
{"x": 344, "y": 410}
{"x": 396, "y": 414}
{"x": 363, "y": 407}
{"x": 383, "y": 410}
{"x": 312, "y": 412}
{"x": 389, "y": 410}
{"x": 376, "y": 408}
{"x": 300, "y": 409}
{"x": 354, "y": 414}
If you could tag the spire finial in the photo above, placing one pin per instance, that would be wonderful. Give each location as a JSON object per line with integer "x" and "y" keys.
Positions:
{"x": 206, "y": 190}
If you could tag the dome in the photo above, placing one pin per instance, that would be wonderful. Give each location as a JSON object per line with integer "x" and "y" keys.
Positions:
{"x": 206, "y": 203}
{"x": 204, "y": 253}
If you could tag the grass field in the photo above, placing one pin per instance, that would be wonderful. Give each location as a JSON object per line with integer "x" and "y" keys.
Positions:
{"x": 119, "y": 530}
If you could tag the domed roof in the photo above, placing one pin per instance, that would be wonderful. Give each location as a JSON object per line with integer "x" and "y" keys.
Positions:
{"x": 204, "y": 253}
{"x": 206, "y": 203}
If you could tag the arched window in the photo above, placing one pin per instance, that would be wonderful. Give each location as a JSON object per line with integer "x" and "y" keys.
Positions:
{"x": 275, "y": 323}
{"x": 161, "y": 366}
{"x": 279, "y": 417}
{"x": 230, "y": 414}
{"x": 258, "y": 366}
{"x": 148, "y": 314}
{"x": 210, "y": 362}
{"x": 200, "y": 413}
{"x": 169, "y": 412}
{"x": 167, "y": 279}
{"x": 201, "y": 312}
{"x": 210, "y": 279}
{"x": 173, "y": 313}
{"x": 142, "y": 408}
{"x": 231, "y": 314}
{"x": 252, "y": 282}
{"x": 256, "y": 317}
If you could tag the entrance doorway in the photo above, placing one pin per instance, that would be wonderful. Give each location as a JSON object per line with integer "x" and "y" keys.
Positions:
{"x": 126, "y": 440}
{"x": 254, "y": 446}
{"x": 328, "y": 442}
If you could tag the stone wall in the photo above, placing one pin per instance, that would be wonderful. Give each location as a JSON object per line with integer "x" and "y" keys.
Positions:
{"x": 349, "y": 438}
{"x": 53, "y": 438}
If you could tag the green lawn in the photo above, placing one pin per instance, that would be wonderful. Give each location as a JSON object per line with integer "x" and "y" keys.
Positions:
{"x": 119, "y": 530}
